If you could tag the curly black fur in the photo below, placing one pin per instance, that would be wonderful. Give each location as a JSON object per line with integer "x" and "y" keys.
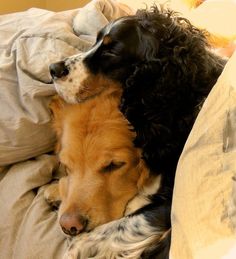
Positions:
{"x": 166, "y": 69}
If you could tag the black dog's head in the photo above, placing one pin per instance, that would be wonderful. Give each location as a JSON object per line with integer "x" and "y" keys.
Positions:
{"x": 165, "y": 67}
{"x": 154, "y": 45}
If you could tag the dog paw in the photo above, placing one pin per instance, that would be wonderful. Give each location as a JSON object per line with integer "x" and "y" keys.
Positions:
{"x": 52, "y": 196}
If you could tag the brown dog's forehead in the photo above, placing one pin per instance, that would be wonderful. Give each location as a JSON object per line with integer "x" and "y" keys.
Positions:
{"x": 97, "y": 144}
{"x": 95, "y": 132}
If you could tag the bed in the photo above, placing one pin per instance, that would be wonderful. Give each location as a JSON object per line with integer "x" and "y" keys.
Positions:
{"x": 204, "y": 212}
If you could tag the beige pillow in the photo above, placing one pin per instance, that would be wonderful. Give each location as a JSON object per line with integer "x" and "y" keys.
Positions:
{"x": 204, "y": 211}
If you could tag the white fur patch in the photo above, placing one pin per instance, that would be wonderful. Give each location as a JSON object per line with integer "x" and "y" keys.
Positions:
{"x": 69, "y": 86}
{"x": 142, "y": 198}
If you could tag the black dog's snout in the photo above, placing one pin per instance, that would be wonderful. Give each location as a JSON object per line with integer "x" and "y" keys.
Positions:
{"x": 58, "y": 70}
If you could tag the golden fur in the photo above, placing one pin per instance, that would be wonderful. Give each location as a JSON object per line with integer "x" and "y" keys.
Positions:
{"x": 104, "y": 169}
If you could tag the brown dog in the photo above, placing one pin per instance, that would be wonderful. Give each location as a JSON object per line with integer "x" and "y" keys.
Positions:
{"x": 105, "y": 171}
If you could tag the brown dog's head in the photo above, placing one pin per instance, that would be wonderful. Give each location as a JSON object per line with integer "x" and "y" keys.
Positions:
{"x": 104, "y": 169}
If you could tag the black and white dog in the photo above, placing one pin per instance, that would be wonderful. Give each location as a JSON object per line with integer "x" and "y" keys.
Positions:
{"x": 166, "y": 70}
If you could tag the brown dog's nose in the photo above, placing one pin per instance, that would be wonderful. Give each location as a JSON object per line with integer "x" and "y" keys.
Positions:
{"x": 58, "y": 70}
{"x": 72, "y": 223}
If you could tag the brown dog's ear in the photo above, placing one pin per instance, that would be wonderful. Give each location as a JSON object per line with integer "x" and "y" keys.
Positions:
{"x": 57, "y": 106}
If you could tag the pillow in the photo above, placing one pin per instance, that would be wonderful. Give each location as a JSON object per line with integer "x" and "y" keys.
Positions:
{"x": 204, "y": 203}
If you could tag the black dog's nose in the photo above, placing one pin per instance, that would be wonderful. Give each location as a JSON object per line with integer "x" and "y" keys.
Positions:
{"x": 58, "y": 70}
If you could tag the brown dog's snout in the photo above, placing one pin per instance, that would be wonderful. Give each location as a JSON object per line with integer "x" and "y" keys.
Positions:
{"x": 72, "y": 223}
{"x": 58, "y": 70}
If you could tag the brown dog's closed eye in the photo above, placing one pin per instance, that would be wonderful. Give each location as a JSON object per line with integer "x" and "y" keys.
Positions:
{"x": 112, "y": 166}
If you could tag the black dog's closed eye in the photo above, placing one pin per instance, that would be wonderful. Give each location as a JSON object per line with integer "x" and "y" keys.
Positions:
{"x": 109, "y": 54}
{"x": 112, "y": 166}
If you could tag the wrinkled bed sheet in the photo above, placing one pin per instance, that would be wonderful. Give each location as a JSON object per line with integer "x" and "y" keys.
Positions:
{"x": 29, "y": 42}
